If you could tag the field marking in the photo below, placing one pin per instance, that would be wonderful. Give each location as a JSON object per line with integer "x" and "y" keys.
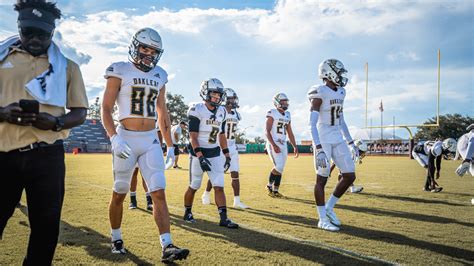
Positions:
{"x": 313, "y": 243}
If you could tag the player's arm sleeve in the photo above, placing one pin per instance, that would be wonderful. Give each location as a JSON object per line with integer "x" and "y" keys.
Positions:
{"x": 431, "y": 165}
{"x": 470, "y": 148}
{"x": 113, "y": 70}
{"x": 438, "y": 163}
{"x": 345, "y": 130}
{"x": 194, "y": 120}
{"x": 313, "y": 120}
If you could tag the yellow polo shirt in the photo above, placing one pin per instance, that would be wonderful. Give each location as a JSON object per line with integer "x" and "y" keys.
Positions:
{"x": 16, "y": 70}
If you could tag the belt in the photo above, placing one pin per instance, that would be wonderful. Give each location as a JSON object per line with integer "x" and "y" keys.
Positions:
{"x": 37, "y": 145}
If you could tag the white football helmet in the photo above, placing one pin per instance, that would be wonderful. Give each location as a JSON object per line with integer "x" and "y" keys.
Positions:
{"x": 333, "y": 70}
{"x": 361, "y": 145}
{"x": 450, "y": 145}
{"x": 212, "y": 85}
{"x": 277, "y": 101}
{"x": 230, "y": 93}
{"x": 149, "y": 38}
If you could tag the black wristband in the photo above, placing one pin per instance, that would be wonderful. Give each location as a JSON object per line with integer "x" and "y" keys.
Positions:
{"x": 350, "y": 142}
{"x": 226, "y": 150}
{"x": 197, "y": 149}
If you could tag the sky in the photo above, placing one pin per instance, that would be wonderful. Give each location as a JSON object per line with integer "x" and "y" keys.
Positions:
{"x": 260, "y": 48}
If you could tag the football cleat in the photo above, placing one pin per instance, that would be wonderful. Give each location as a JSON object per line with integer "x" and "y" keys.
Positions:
{"x": 325, "y": 224}
{"x": 206, "y": 198}
{"x": 229, "y": 224}
{"x": 356, "y": 189}
{"x": 269, "y": 191}
{"x": 240, "y": 205}
{"x": 149, "y": 203}
{"x": 149, "y": 207}
{"x": 332, "y": 217}
{"x": 118, "y": 247}
{"x": 437, "y": 189}
{"x": 189, "y": 218}
{"x": 172, "y": 253}
{"x": 277, "y": 194}
{"x": 133, "y": 203}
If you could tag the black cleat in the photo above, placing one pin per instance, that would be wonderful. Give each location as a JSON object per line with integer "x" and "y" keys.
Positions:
{"x": 437, "y": 189}
{"x": 269, "y": 191}
{"x": 229, "y": 224}
{"x": 277, "y": 194}
{"x": 133, "y": 205}
{"x": 172, "y": 253}
{"x": 118, "y": 247}
{"x": 189, "y": 218}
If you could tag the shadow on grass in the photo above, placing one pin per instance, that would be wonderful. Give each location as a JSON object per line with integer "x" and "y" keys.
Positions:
{"x": 416, "y": 200}
{"x": 264, "y": 242}
{"x": 388, "y": 237}
{"x": 93, "y": 242}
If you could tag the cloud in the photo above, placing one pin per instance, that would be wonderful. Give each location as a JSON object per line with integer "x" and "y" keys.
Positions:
{"x": 403, "y": 55}
{"x": 71, "y": 52}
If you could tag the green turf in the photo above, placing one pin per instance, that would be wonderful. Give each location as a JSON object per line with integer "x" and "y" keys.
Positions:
{"x": 392, "y": 220}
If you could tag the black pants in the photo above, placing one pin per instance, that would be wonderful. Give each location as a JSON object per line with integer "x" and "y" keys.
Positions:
{"x": 41, "y": 173}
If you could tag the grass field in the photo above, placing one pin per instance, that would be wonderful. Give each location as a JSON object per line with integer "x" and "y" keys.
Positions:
{"x": 391, "y": 221}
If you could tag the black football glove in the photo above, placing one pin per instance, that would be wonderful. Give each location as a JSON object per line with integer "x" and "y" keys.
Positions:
{"x": 226, "y": 164}
{"x": 205, "y": 164}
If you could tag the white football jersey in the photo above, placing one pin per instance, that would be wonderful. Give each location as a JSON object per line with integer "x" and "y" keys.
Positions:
{"x": 138, "y": 91}
{"x": 463, "y": 142}
{"x": 210, "y": 124}
{"x": 176, "y": 129}
{"x": 232, "y": 119}
{"x": 330, "y": 112}
{"x": 280, "y": 125}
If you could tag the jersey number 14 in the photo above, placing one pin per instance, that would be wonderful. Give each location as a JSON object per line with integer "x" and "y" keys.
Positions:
{"x": 336, "y": 112}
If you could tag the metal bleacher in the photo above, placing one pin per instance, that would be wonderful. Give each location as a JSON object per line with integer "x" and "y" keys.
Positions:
{"x": 88, "y": 137}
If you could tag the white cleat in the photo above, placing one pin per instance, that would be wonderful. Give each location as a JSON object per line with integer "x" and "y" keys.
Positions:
{"x": 332, "y": 217}
{"x": 206, "y": 199}
{"x": 240, "y": 205}
{"x": 472, "y": 201}
{"x": 356, "y": 189}
{"x": 325, "y": 224}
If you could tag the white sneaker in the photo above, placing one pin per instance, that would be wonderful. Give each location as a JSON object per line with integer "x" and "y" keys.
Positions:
{"x": 356, "y": 189}
{"x": 240, "y": 205}
{"x": 332, "y": 217}
{"x": 206, "y": 199}
{"x": 325, "y": 224}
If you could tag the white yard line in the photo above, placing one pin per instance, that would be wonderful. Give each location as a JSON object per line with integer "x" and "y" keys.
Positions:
{"x": 279, "y": 235}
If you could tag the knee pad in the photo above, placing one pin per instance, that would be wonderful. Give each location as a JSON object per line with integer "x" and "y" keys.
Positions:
{"x": 121, "y": 187}
{"x": 195, "y": 182}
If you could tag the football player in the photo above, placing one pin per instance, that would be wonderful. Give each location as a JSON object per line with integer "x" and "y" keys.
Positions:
{"x": 232, "y": 119}
{"x": 466, "y": 150}
{"x": 329, "y": 130}
{"x": 362, "y": 146}
{"x": 176, "y": 133}
{"x": 138, "y": 89}
{"x": 429, "y": 154}
{"x": 207, "y": 140}
{"x": 278, "y": 125}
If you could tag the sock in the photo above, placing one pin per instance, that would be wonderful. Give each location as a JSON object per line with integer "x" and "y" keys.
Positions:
{"x": 116, "y": 234}
{"x": 207, "y": 193}
{"x": 187, "y": 210}
{"x": 275, "y": 188}
{"x": 149, "y": 200}
{"x": 236, "y": 198}
{"x": 222, "y": 213}
{"x": 147, "y": 194}
{"x": 331, "y": 202}
{"x": 321, "y": 212}
{"x": 271, "y": 179}
{"x": 133, "y": 194}
{"x": 165, "y": 240}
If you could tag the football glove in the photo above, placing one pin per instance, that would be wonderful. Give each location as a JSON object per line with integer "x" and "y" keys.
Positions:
{"x": 321, "y": 159}
{"x": 354, "y": 152}
{"x": 462, "y": 169}
{"x": 205, "y": 164}
{"x": 120, "y": 147}
{"x": 226, "y": 164}
{"x": 170, "y": 158}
